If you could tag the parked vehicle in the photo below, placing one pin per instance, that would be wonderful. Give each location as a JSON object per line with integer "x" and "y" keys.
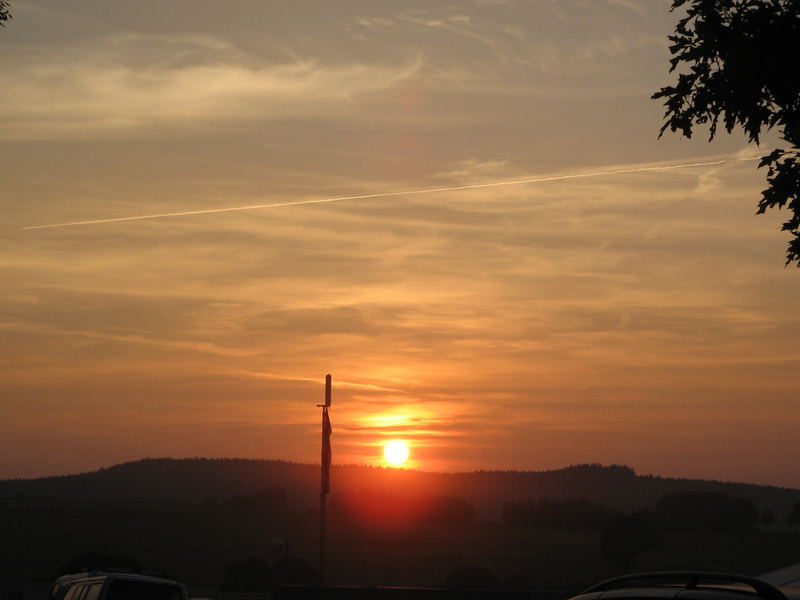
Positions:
{"x": 687, "y": 585}
{"x": 787, "y": 576}
{"x": 101, "y": 585}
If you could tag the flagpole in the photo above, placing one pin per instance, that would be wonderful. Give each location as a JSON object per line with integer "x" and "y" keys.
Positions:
{"x": 325, "y": 475}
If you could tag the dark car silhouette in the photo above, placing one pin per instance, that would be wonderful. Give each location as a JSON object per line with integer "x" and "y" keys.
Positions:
{"x": 100, "y": 585}
{"x": 687, "y": 585}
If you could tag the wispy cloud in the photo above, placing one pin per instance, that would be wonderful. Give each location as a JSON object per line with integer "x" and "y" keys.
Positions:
{"x": 114, "y": 87}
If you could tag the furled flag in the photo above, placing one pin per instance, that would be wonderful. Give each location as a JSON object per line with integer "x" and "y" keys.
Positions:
{"x": 326, "y": 452}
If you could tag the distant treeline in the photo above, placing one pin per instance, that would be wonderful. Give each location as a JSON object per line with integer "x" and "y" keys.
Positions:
{"x": 268, "y": 500}
{"x": 196, "y": 480}
{"x": 559, "y": 513}
{"x": 686, "y": 510}
{"x": 370, "y": 507}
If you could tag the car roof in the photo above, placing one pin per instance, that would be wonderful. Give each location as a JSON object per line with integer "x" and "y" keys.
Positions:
{"x": 787, "y": 576}
{"x": 687, "y": 585}
{"x": 102, "y": 575}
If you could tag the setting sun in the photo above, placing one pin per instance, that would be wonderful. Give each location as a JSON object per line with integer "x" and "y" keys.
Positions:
{"x": 396, "y": 452}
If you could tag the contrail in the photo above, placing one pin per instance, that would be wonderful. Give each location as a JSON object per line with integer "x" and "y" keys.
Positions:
{"x": 388, "y": 194}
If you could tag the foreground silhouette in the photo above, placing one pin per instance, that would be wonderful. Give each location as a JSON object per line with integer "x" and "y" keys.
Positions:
{"x": 741, "y": 61}
{"x": 564, "y": 529}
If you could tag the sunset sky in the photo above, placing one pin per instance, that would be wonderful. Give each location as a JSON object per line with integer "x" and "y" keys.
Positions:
{"x": 614, "y": 311}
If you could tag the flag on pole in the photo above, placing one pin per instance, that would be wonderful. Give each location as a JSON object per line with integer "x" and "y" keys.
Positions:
{"x": 326, "y": 452}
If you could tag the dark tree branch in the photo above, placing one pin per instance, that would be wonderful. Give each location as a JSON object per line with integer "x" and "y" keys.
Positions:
{"x": 738, "y": 64}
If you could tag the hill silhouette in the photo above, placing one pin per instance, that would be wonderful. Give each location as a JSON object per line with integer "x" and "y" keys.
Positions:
{"x": 205, "y": 479}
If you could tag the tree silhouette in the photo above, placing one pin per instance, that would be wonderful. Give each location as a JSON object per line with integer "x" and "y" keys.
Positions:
{"x": 743, "y": 67}
{"x": 627, "y": 537}
{"x": 693, "y": 510}
{"x": 4, "y": 14}
{"x": 558, "y": 513}
{"x": 766, "y": 518}
{"x": 270, "y": 500}
{"x": 793, "y": 518}
{"x": 369, "y": 506}
{"x": 293, "y": 570}
{"x": 248, "y": 575}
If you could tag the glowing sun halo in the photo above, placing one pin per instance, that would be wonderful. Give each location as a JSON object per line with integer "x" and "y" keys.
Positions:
{"x": 396, "y": 452}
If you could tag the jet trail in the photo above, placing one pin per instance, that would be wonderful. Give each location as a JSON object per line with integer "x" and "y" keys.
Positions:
{"x": 388, "y": 194}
